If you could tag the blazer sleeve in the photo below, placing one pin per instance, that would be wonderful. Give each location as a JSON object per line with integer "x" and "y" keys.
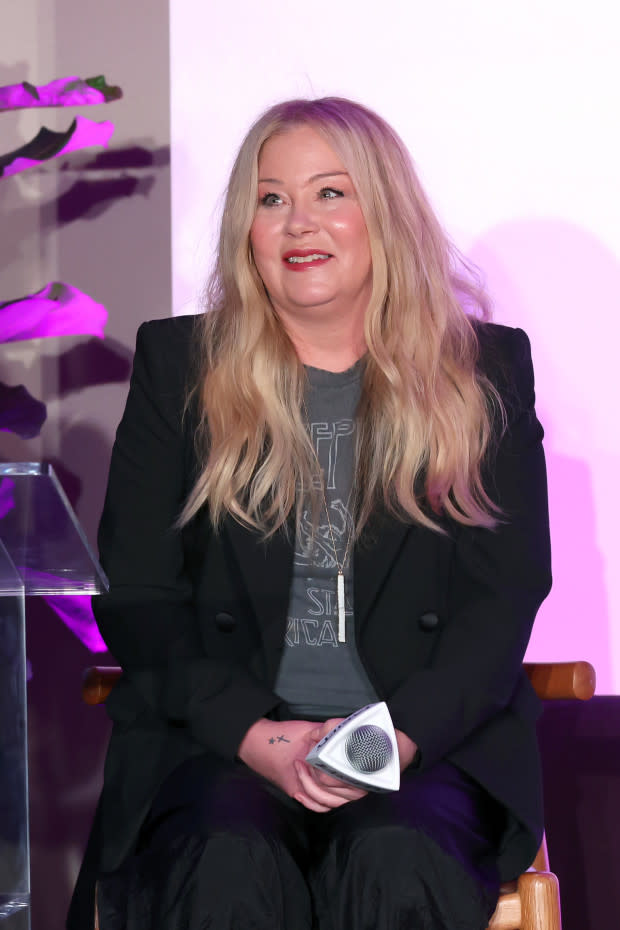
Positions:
{"x": 498, "y": 577}
{"x": 148, "y": 618}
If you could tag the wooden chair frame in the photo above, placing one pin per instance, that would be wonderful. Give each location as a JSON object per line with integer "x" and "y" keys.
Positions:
{"x": 532, "y": 902}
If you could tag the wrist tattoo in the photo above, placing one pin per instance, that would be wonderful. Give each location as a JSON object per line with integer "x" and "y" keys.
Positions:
{"x": 277, "y": 739}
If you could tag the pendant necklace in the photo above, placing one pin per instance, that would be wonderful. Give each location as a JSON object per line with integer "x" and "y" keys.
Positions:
{"x": 342, "y": 629}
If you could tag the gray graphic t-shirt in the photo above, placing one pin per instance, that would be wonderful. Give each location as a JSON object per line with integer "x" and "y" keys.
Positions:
{"x": 319, "y": 676}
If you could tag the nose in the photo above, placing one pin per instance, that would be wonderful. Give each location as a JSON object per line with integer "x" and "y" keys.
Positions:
{"x": 301, "y": 219}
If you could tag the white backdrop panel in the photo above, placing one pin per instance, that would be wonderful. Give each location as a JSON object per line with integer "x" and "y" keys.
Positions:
{"x": 510, "y": 111}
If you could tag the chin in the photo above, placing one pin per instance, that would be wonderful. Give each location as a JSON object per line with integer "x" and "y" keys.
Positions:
{"x": 310, "y": 298}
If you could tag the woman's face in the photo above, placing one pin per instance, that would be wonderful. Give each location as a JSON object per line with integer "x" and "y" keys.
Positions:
{"x": 309, "y": 237}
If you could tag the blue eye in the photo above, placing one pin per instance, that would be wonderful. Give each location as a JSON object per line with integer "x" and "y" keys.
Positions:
{"x": 270, "y": 200}
{"x": 330, "y": 193}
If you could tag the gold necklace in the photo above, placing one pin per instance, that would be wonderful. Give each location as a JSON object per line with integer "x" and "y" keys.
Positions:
{"x": 342, "y": 628}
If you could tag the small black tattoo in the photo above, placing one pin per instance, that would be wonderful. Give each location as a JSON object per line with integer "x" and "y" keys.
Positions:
{"x": 283, "y": 739}
{"x": 271, "y": 741}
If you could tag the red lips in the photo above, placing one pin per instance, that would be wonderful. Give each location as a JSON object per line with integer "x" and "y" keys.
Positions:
{"x": 304, "y": 254}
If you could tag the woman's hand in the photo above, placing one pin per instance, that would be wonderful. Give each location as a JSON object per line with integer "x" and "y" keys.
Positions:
{"x": 316, "y": 784}
{"x": 277, "y": 750}
{"x": 407, "y": 749}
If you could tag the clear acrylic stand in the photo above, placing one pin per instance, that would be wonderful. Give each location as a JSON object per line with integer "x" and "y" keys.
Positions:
{"x": 43, "y": 550}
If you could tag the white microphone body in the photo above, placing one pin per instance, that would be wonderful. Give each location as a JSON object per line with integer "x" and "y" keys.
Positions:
{"x": 361, "y": 750}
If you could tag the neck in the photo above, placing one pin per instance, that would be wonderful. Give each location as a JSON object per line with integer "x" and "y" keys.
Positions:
{"x": 333, "y": 346}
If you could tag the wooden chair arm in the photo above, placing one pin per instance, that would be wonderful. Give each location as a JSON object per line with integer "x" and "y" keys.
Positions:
{"x": 556, "y": 680}
{"x": 507, "y": 914}
{"x": 534, "y": 904}
{"x": 540, "y": 901}
{"x": 551, "y": 680}
{"x": 97, "y": 683}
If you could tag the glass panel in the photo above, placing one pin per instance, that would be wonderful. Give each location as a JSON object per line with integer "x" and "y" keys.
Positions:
{"x": 14, "y": 847}
{"x": 42, "y": 535}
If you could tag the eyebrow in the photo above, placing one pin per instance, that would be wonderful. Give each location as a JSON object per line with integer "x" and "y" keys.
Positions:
{"x": 315, "y": 177}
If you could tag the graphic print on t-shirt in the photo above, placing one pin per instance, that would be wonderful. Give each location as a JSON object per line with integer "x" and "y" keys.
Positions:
{"x": 319, "y": 676}
{"x": 320, "y": 627}
{"x": 316, "y": 550}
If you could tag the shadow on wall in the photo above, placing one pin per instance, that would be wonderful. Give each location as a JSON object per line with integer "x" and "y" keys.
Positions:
{"x": 561, "y": 285}
{"x": 576, "y": 619}
{"x": 87, "y": 187}
{"x": 116, "y": 173}
{"x": 88, "y": 364}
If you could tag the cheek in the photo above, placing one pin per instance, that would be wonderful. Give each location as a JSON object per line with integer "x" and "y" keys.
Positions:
{"x": 350, "y": 228}
{"x": 260, "y": 241}
{"x": 257, "y": 236}
{"x": 266, "y": 258}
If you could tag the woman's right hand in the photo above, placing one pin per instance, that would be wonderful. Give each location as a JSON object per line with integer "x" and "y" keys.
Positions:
{"x": 277, "y": 750}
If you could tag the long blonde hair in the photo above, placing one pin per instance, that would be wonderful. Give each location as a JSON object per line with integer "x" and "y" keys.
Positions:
{"x": 426, "y": 413}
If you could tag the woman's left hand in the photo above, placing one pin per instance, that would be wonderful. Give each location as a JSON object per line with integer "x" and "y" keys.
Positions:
{"x": 325, "y": 790}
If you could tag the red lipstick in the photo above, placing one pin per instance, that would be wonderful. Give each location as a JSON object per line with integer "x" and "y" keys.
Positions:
{"x": 305, "y": 259}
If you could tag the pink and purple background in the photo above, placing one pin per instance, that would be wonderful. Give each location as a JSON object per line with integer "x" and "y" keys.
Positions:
{"x": 510, "y": 112}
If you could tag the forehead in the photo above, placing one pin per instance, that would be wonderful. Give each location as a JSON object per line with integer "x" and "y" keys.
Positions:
{"x": 298, "y": 152}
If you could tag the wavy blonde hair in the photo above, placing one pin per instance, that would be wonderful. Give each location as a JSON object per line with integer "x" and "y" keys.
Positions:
{"x": 426, "y": 412}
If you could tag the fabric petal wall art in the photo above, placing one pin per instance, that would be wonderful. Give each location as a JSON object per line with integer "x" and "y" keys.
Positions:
{"x": 83, "y": 133}
{"x": 63, "y": 92}
{"x": 56, "y": 310}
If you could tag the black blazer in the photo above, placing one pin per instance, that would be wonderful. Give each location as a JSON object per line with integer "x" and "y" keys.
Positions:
{"x": 197, "y": 620}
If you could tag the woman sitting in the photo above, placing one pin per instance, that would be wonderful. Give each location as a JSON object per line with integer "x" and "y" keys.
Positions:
{"x": 327, "y": 491}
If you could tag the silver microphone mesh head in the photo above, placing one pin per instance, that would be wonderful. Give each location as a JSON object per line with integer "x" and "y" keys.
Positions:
{"x": 368, "y": 748}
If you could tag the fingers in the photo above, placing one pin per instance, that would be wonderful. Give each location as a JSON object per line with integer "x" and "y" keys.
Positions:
{"x": 310, "y": 804}
{"x": 327, "y": 795}
{"x": 336, "y": 785}
{"x": 329, "y": 781}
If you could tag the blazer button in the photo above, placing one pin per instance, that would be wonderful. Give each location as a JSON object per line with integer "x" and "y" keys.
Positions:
{"x": 429, "y": 622}
{"x": 225, "y": 622}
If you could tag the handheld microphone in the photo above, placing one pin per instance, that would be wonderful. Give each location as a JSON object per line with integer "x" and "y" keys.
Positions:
{"x": 361, "y": 750}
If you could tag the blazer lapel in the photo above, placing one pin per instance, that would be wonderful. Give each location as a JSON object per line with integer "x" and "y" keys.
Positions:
{"x": 374, "y": 554}
{"x": 266, "y": 567}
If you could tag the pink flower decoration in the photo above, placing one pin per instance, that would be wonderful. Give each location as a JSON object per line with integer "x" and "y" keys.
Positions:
{"x": 64, "y": 92}
{"x": 82, "y": 134}
{"x": 56, "y": 310}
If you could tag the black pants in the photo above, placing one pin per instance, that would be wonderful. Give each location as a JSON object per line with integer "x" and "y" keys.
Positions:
{"x": 224, "y": 849}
